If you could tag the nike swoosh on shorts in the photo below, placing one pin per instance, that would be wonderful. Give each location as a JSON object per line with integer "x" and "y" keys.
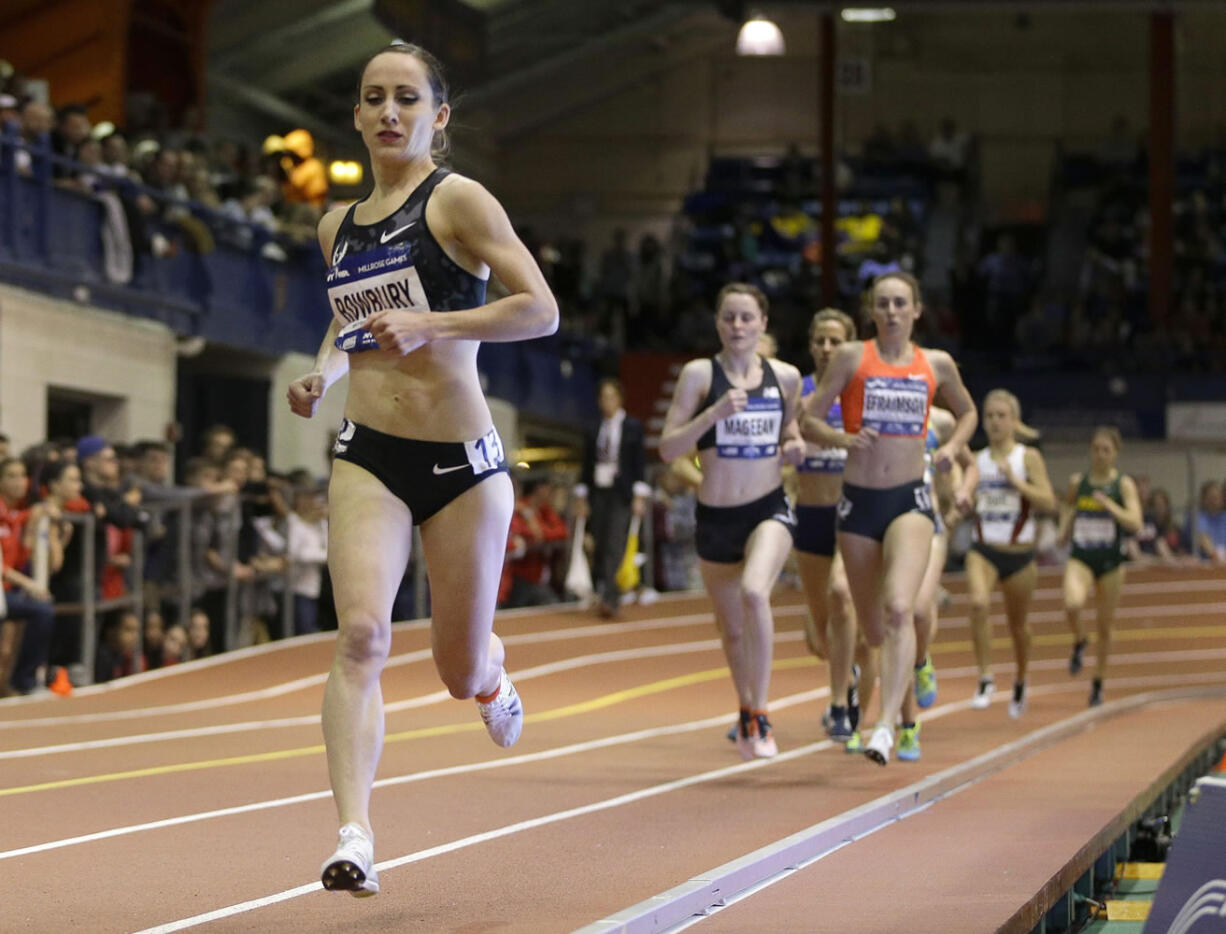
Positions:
{"x": 439, "y": 471}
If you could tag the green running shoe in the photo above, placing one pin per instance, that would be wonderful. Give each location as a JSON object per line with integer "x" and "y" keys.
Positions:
{"x": 855, "y": 744}
{"x": 926, "y": 683}
{"x": 909, "y": 744}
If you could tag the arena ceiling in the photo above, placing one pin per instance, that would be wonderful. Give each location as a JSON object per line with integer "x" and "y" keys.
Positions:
{"x": 525, "y": 60}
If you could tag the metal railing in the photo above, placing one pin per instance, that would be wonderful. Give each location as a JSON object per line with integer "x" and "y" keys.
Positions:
{"x": 180, "y": 591}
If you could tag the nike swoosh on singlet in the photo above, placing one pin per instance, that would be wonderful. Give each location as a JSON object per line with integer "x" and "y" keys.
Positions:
{"x": 439, "y": 471}
{"x": 384, "y": 238}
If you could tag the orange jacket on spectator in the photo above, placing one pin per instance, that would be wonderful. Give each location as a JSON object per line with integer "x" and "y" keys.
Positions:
{"x": 306, "y": 179}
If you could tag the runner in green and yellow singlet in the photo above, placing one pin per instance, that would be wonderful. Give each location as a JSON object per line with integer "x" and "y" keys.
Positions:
{"x": 1102, "y": 506}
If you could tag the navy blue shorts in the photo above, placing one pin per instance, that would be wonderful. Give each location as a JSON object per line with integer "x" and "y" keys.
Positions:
{"x": 424, "y": 475}
{"x": 723, "y": 530}
{"x": 815, "y": 530}
{"x": 869, "y": 512}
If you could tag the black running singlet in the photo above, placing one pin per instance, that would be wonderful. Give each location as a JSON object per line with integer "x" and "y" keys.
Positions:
{"x": 394, "y": 264}
{"x": 753, "y": 432}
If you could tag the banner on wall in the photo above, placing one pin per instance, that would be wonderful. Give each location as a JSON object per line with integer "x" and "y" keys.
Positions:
{"x": 1196, "y": 421}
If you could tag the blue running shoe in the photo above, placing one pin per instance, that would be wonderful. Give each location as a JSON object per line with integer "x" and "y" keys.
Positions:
{"x": 925, "y": 685}
{"x": 909, "y": 744}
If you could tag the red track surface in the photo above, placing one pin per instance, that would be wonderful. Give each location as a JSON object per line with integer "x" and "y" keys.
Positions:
{"x": 492, "y": 843}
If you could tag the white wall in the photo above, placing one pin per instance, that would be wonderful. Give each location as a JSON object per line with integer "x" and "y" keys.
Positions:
{"x": 300, "y": 442}
{"x": 45, "y": 342}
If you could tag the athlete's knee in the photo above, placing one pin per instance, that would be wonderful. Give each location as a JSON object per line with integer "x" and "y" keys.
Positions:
{"x": 980, "y": 603}
{"x": 756, "y": 597}
{"x": 363, "y": 640}
{"x": 898, "y": 612}
{"x": 840, "y": 600}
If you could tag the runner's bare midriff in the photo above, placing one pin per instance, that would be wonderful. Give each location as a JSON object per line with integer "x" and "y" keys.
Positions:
{"x": 431, "y": 394}
{"x": 735, "y": 484}
{"x": 890, "y": 462}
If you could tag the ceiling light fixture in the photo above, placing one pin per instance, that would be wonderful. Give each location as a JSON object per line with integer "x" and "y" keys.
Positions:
{"x": 759, "y": 36}
{"x": 869, "y": 15}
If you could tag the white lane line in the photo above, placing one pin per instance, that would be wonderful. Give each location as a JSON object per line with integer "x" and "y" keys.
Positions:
{"x": 425, "y": 700}
{"x": 594, "y": 807}
{"x": 588, "y": 745}
{"x": 552, "y": 635}
{"x": 521, "y": 675}
{"x": 606, "y": 742}
{"x": 309, "y": 681}
{"x": 526, "y": 674}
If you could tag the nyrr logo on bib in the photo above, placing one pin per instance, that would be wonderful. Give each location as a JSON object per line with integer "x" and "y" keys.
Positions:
{"x": 751, "y": 433}
{"x": 896, "y": 405}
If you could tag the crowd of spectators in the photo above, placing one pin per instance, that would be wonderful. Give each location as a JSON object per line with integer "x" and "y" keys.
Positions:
{"x": 1106, "y": 321}
{"x": 168, "y": 191}
{"x": 255, "y": 541}
{"x": 1165, "y": 537}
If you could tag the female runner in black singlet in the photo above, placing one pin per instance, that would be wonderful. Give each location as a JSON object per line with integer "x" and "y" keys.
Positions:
{"x": 406, "y": 284}
{"x": 738, "y": 409}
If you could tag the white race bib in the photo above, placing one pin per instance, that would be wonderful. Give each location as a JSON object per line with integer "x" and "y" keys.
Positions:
{"x": 998, "y": 502}
{"x": 486, "y": 452}
{"x": 896, "y": 405}
{"x": 383, "y": 279}
{"x": 1094, "y": 531}
{"x": 752, "y": 432}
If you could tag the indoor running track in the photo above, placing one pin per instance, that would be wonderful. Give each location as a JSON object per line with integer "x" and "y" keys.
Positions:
{"x": 198, "y": 796}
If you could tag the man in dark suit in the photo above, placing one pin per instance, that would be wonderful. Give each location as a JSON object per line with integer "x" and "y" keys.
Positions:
{"x": 611, "y": 490}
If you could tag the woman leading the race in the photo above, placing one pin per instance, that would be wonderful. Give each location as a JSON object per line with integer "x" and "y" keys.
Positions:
{"x": 406, "y": 283}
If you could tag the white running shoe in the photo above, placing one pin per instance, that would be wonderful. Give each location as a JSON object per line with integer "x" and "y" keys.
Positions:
{"x": 983, "y": 694}
{"x": 879, "y": 745}
{"x": 1017, "y": 706}
{"x": 352, "y": 867}
{"x": 504, "y": 715}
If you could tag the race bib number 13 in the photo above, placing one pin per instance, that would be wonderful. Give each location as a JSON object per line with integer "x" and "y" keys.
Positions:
{"x": 486, "y": 452}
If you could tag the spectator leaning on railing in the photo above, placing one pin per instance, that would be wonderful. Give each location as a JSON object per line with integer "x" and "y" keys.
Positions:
{"x": 37, "y": 120}
{"x": 112, "y": 504}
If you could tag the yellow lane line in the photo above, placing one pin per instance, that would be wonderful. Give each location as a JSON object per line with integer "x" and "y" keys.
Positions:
{"x": 570, "y": 710}
{"x": 598, "y": 703}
